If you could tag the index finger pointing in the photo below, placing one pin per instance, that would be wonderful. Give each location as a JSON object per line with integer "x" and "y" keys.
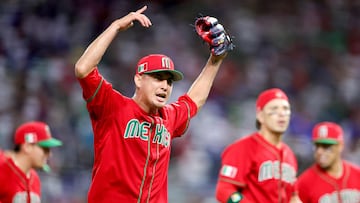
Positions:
{"x": 142, "y": 9}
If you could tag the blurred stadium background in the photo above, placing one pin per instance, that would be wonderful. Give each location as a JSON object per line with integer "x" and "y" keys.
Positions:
{"x": 311, "y": 49}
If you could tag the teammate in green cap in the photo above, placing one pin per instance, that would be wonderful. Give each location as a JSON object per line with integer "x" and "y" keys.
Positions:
{"x": 20, "y": 183}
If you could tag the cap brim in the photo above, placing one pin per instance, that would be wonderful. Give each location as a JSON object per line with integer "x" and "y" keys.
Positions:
{"x": 52, "y": 142}
{"x": 177, "y": 75}
{"x": 326, "y": 141}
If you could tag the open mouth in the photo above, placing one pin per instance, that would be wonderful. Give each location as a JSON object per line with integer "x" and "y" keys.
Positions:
{"x": 161, "y": 95}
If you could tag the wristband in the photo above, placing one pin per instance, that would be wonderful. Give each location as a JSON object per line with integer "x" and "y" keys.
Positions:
{"x": 236, "y": 197}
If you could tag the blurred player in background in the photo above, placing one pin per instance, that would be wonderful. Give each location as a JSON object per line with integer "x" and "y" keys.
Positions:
{"x": 260, "y": 167}
{"x": 330, "y": 179}
{"x": 20, "y": 182}
{"x": 132, "y": 136}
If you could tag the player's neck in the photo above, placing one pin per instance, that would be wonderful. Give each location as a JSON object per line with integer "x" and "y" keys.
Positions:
{"x": 336, "y": 170}
{"x": 272, "y": 138}
{"x": 144, "y": 106}
{"x": 21, "y": 163}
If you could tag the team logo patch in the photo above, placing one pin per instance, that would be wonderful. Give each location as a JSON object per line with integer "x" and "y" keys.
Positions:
{"x": 142, "y": 67}
{"x": 228, "y": 171}
{"x": 30, "y": 137}
{"x": 323, "y": 131}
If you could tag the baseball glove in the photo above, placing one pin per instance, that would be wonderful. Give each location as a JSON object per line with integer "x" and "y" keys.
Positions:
{"x": 214, "y": 34}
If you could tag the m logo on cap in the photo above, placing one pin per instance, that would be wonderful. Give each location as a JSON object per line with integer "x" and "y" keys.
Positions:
{"x": 327, "y": 133}
{"x": 165, "y": 62}
{"x": 323, "y": 131}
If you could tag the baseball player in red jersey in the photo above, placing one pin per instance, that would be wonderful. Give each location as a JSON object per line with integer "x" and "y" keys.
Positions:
{"x": 330, "y": 179}
{"x": 260, "y": 167}
{"x": 132, "y": 136}
{"x": 20, "y": 182}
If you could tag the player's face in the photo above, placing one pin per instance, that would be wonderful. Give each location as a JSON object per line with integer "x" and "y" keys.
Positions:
{"x": 275, "y": 116}
{"x": 157, "y": 88}
{"x": 326, "y": 155}
{"x": 39, "y": 156}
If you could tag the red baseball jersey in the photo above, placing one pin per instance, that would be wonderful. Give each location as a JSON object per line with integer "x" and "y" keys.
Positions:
{"x": 16, "y": 186}
{"x": 132, "y": 148}
{"x": 316, "y": 186}
{"x": 257, "y": 169}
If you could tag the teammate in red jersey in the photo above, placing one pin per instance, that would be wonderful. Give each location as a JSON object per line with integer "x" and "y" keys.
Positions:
{"x": 132, "y": 136}
{"x": 20, "y": 182}
{"x": 330, "y": 179}
{"x": 260, "y": 167}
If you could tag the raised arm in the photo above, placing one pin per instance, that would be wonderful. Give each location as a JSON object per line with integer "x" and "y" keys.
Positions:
{"x": 94, "y": 52}
{"x": 220, "y": 43}
{"x": 200, "y": 89}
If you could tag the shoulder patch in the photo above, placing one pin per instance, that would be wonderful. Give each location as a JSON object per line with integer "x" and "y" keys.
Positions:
{"x": 228, "y": 171}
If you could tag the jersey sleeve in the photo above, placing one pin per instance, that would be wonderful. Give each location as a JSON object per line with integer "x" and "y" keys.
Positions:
{"x": 225, "y": 190}
{"x": 236, "y": 162}
{"x": 180, "y": 112}
{"x": 235, "y": 166}
{"x": 98, "y": 94}
{"x": 91, "y": 85}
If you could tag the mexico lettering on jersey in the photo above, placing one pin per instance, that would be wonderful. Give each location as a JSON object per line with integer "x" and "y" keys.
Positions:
{"x": 326, "y": 189}
{"x": 345, "y": 195}
{"x": 135, "y": 129}
{"x": 132, "y": 148}
{"x": 16, "y": 187}
{"x": 277, "y": 170}
{"x": 263, "y": 172}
